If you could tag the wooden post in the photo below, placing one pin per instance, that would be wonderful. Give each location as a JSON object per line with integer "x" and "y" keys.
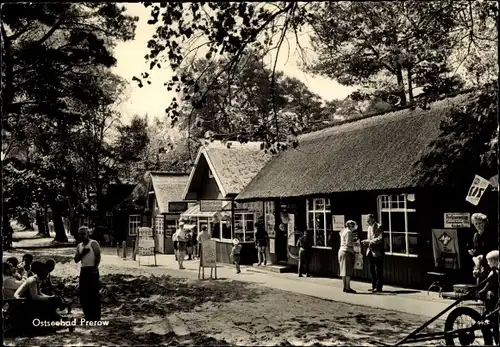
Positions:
{"x": 124, "y": 246}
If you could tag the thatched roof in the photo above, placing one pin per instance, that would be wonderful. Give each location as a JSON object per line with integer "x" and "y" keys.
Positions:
{"x": 373, "y": 153}
{"x": 233, "y": 165}
{"x": 168, "y": 187}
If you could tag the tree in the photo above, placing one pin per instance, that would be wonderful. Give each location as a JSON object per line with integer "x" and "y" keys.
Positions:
{"x": 52, "y": 58}
{"x": 467, "y": 145}
{"x": 231, "y": 29}
{"x": 242, "y": 108}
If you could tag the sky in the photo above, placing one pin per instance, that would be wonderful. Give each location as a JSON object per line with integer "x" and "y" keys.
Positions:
{"x": 153, "y": 99}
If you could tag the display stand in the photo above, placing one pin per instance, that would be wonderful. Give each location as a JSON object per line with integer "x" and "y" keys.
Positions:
{"x": 145, "y": 244}
{"x": 208, "y": 258}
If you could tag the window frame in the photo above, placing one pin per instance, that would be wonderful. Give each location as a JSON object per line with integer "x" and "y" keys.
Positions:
{"x": 387, "y": 200}
{"x": 133, "y": 222}
{"x": 314, "y": 211}
{"x": 244, "y": 221}
{"x": 159, "y": 221}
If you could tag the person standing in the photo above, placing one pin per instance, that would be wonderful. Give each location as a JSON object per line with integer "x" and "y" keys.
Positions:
{"x": 261, "y": 242}
{"x": 180, "y": 236}
{"x": 235, "y": 254}
{"x": 375, "y": 252}
{"x": 194, "y": 241}
{"x": 483, "y": 242}
{"x": 346, "y": 255}
{"x": 305, "y": 247}
{"x": 88, "y": 253}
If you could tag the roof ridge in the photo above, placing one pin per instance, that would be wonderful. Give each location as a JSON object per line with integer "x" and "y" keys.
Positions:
{"x": 169, "y": 173}
{"x": 381, "y": 113}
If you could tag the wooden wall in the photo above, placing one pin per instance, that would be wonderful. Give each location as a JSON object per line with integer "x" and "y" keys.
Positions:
{"x": 398, "y": 270}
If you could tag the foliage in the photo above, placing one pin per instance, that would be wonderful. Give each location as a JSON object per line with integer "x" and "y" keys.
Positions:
{"x": 394, "y": 38}
{"x": 468, "y": 143}
{"x": 242, "y": 108}
{"x": 55, "y": 68}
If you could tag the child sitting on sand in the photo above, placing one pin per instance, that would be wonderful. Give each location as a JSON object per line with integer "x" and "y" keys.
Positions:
{"x": 235, "y": 254}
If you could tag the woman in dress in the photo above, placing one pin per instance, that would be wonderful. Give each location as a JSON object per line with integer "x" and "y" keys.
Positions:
{"x": 346, "y": 255}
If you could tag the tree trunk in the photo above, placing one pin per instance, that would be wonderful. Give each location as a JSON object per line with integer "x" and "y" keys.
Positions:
{"x": 401, "y": 85}
{"x": 410, "y": 86}
{"x": 58, "y": 223}
{"x": 43, "y": 229}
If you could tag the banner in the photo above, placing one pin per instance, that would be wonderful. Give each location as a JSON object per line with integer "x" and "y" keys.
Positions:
{"x": 445, "y": 241}
{"x": 477, "y": 190}
{"x": 209, "y": 253}
{"x": 364, "y": 222}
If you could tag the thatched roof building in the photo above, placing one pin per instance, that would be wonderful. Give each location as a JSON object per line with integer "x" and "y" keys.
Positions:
{"x": 372, "y": 153}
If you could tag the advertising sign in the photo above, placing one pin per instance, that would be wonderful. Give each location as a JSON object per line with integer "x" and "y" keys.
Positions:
{"x": 209, "y": 253}
{"x": 177, "y": 206}
{"x": 364, "y": 222}
{"x": 146, "y": 242}
{"x": 210, "y": 205}
{"x": 291, "y": 230}
{"x": 445, "y": 242}
{"x": 338, "y": 222}
{"x": 457, "y": 220}
{"x": 477, "y": 190}
{"x": 271, "y": 246}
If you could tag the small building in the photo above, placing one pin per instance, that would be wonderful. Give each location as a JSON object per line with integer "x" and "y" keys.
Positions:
{"x": 220, "y": 172}
{"x": 165, "y": 205}
{"x": 360, "y": 167}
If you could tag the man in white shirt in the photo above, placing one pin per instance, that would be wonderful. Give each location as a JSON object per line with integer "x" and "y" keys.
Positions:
{"x": 88, "y": 253}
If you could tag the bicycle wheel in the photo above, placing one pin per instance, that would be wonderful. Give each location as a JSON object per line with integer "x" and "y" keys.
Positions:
{"x": 293, "y": 251}
{"x": 462, "y": 318}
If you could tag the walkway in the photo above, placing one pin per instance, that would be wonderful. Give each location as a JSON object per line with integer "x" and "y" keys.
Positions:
{"x": 394, "y": 298}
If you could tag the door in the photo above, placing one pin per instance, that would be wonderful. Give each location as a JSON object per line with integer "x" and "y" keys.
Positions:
{"x": 159, "y": 232}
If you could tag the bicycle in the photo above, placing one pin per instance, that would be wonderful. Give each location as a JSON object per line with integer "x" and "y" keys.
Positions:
{"x": 292, "y": 249}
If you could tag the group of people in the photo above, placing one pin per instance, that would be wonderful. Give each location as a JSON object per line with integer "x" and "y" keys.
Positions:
{"x": 31, "y": 280}
{"x": 188, "y": 242}
{"x": 349, "y": 240}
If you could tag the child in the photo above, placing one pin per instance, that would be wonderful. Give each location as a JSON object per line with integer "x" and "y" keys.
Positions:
{"x": 15, "y": 264}
{"x": 235, "y": 254}
{"x": 10, "y": 284}
{"x": 490, "y": 290}
{"x": 189, "y": 245}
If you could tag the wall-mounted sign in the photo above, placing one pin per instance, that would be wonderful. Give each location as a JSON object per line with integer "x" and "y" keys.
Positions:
{"x": 271, "y": 246}
{"x": 210, "y": 205}
{"x": 364, "y": 222}
{"x": 477, "y": 190}
{"x": 177, "y": 206}
{"x": 291, "y": 230}
{"x": 109, "y": 214}
{"x": 457, "y": 220}
{"x": 249, "y": 206}
{"x": 445, "y": 248}
{"x": 338, "y": 222}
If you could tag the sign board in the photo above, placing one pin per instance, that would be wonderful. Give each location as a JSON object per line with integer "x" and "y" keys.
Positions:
{"x": 272, "y": 247}
{"x": 291, "y": 230}
{"x": 146, "y": 242}
{"x": 177, "y": 206}
{"x": 209, "y": 253}
{"x": 109, "y": 214}
{"x": 477, "y": 190}
{"x": 338, "y": 222}
{"x": 457, "y": 220}
{"x": 445, "y": 248}
{"x": 364, "y": 222}
{"x": 210, "y": 205}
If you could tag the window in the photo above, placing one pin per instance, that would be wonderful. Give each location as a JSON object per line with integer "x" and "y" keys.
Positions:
{"x": 244, "y": 228}
{"x": 159, "y": 225}
{"x": 398, "y": 218}
{"x": 134, "y": 222}
{"x": 319, "y": 220}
